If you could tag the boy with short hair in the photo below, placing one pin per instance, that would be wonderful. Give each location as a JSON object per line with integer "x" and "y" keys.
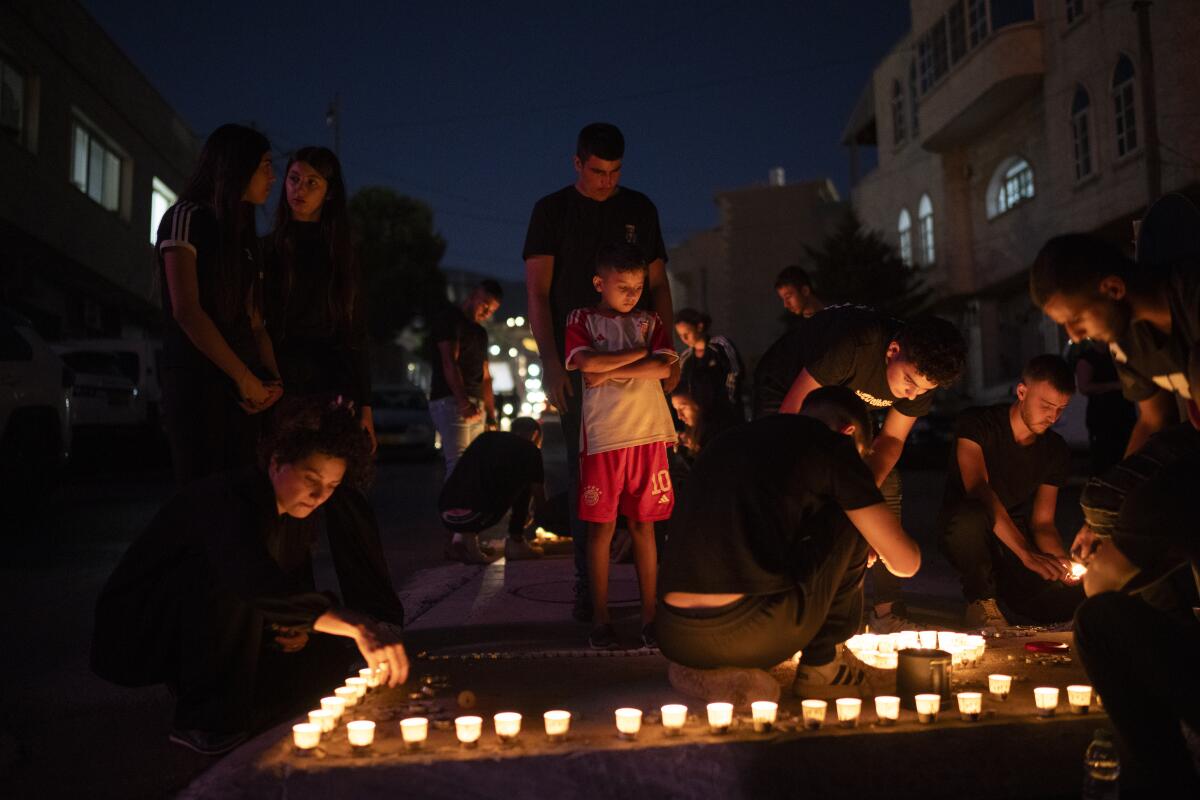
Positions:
{"x": 623, "y": 353}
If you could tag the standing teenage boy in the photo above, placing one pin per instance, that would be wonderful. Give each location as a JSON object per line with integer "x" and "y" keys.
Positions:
{"x": 623, "y": 353}
{"x": 566, "y": 231}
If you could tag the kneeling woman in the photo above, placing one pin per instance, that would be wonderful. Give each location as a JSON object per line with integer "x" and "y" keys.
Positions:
{"x": 217, "y": 598}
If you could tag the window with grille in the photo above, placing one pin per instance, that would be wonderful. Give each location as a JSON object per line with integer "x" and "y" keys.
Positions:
{"x": 925, "y": 228}
{"x": 1011, "y": 185}
{"x": 904, "y": 227}
{"x": 95, "y": 167}
{"x": 1080, "y": 136}
{"x": 1123, "y": 107}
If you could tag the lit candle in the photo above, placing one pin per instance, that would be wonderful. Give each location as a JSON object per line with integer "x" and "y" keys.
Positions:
{"x": 557, "y": 724}
{"x": 508, "y": 725}
{"x": 970, "y": 705}
{"x": 813, "y": 712}
{"x": 927, "y": 707}
{"x": 909, "y": 640}
{"x": 360, "y": 732}
{"x": 335, "y": 705}
{"x": 928, "y": 639}
{"x": 887, "y": 644}
{"x": 947, "y": 640}
{"x": 764, "y": 713}
{"x": 359, "y": 685}
{"x": 348, "y": 694}
{"x": 1046, "y": 698}
{"x": 370, "y": 676}
{"x": 1077, "y": 570}
{"x": 323, "y": 718}
{"x": 306, "y": 735}
{"x": 629, "y": 722}
{"x": 977, "y": 644}
{"x": 887, "y": 660}
{"x": 468, "y": 730}
{"x": 887, "y": 709}
{"x": 1080, "y": 698}
{"x": 868, "y": 641}
{"x": 720, "y": 717}
{"x": 848, "y": 709}
{"x": 1000, "y": 686}
{"x": 414, "y": 731}
{"x": 673, "y": 717}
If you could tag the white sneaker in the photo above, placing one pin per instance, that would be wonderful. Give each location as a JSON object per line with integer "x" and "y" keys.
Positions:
{"x": 983, "y": 615}
{"x": 845, "y": 676}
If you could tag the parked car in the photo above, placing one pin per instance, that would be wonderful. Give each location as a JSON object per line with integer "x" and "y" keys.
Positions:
{"x": 101, "y": 395}
{"x": 402, "y": 420}
{"x": 35, "y": 415}
{"x": 139, "y": 360}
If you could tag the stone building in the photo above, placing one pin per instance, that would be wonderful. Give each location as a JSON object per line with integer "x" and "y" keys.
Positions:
{"x": 1001, "y": 123}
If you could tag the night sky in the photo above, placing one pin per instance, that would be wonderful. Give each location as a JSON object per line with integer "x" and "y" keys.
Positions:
{"x": 474, "y": 107}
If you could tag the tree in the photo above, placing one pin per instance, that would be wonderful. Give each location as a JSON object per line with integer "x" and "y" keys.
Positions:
{"x": 856, "y": 265}
{"x": 398, "y": 253}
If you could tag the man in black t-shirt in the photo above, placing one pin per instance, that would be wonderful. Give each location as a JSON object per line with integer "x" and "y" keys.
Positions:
{"x": 499, "y": 472}
{"x": 795, "y": 291}
{"x": 764, "y": 555}
{"x": 997, "y": 520}
{"x": 566, "y": 230}
{"x": 460, "y": 396}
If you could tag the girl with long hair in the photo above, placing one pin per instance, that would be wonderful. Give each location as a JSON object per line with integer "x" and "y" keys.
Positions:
{"x": 709, "y": 360}
{"x": 316, "y": 308}
{"x": 219, "y": 369}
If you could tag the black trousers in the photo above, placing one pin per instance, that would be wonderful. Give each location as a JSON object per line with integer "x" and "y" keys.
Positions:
{"x": 207, "y": 430}
{"x": 1143, "y": 664}
{"x": 572, "y": 422}
{"x": 759, "y": 631}
{"x": 989, "y": 569}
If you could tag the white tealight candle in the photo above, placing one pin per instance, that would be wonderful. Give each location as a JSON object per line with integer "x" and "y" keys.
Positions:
{"x": 813, "y": 712}
{"x": 674, "y": 716}
{"x": 348, "y": 693}
{"x": 359, "y": 685}
{"x": 887, "y": 709}
{"x": 370, "y": 676}
{"x": 557, "y": 723}
{"x": 306, "y": 735}
{"x": 887, "y": 660}
{"x": 928, "y": 639}
{"x": 323, "y": 718}
{"x": 868, "y": 641}
{"x": 977, "y": 645}
{"x": 927, "y": 707}
{"x": 1000, "y": 686}
{"x": 947, "y": 640}
{"x": 887, "y": 644}
{"x": 1080, "y": 698}
{"x": 360, "y": 732}
{"x": 1046, "y": 698}
{"x": 1077, "y": 570}
{"x": 909, "y": 640}
{"x": 468, "y": 729}
{"x": 414, "y": 731}
{"x": 720, "y": 717}
{"x": 848, "y": 709}
{"x": 335, "y": 705}
{"x": 508, "y": 725}
{"x": 629, "y": 722}
{"x": 764, "y": 713}
{"x": 970, "y": 705}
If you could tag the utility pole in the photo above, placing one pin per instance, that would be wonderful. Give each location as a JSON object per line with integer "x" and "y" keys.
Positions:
{"x": 333, "y": 118}
{"x": 1149, "y": 101}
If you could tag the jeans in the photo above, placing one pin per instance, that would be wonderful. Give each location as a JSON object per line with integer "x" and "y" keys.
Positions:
{"x": 457, "y": 434}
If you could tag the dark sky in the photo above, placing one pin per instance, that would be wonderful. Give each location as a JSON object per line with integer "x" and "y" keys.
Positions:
{"x": 474, "y": 106}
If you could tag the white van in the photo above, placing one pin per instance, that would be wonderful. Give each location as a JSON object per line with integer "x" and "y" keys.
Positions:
{"x": 139, "y": 361}
{"x": 35, "y": 412}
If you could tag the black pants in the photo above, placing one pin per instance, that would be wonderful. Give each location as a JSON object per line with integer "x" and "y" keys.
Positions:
{"x": 759, "y": 631}
{"x": 1143, "y": 664}
{"x": 886, "y": 587}
{"x": 207, "y": 430}
{"x": 571, "y": 424}
{"x": 989, "y": 569}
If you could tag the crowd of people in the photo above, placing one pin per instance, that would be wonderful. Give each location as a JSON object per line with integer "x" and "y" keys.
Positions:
{"x": 768, "y": 499}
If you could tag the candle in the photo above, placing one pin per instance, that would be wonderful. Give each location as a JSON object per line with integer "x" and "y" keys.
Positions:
{"x": 360, "y": 732}
{"x": 927, "y": 707}
{"x": 673, "y": 717}
{"x": 928, "y": 639}
{"x": 1046, "y": 698}
{"x": 335, "y": 705}
{"x": 468, "y": 730}
{"x": 557, "y": 723}
{"x": 508, "y": 725}
{"x": 887, "y": 660}
{"x": 764, "y": 713}
{"x": 370, "y": 676}
{"x": 909, "y": 640}
{"x": 970, "y": 705}
{"x": 326, "y": 720}
{"x": 887, "y": 709}
{"x": 813, "y": 712}
{"x": 887, "y": 644}
{"x": 306, "y": 735}
{"x": 1077, "y": 570}
{"x": 359, "y": 685}
{"x": 1080, "y": 698}
{"x": 848, "y": 709}
{"x": 1000, "y": 686}
{"x": 414, "y": 731}
{"x": 720, "y": 717}
{"x": 348, "y": 693}
{"x": 868, "y": 641}
{"x": 629, "y": 722}
{"x": 947, "y": 640}
{"x": 977, "y": 644}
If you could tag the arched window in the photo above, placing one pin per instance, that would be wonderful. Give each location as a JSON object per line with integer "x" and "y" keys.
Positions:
{"x": 904, "y": 226}
{"x": 1080, "y": 137}
{"x": 1074, "y": 10}
{"x": 1123, "y": 108}
{"x": 913, "y": 106}
{"x": 925, "y": 228}
{"x": 1011, "y": 184}
{"x": 899, "y": 128}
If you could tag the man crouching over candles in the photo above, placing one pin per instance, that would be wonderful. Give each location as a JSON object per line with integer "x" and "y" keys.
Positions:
{"x": 1141, "y": 659}
{"x": 217, "y": 598}
{"x": 764, "y": 556}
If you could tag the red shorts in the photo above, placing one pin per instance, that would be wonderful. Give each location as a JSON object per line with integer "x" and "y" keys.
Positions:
{"x": 632, "y": 480}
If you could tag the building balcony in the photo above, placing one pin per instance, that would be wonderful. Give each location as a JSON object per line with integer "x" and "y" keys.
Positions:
{"x": 991, "y": 81}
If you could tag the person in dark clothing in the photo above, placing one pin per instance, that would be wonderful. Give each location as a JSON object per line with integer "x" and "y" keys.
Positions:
{"x": 704, "y": 412}
{"x": 566, "y": 231}
{"x": 500, "y": 472}
{"x": 1110, "y": 417}
{"x": 217, "y": 597}
{"x": 219, "y": 368}
{"x": 795, "y": 290}
{"x": 764, "y": 556}
{"x": 316, "y": 309}
{"x": 709, "y": 360}
{"x": 996, "y": 525}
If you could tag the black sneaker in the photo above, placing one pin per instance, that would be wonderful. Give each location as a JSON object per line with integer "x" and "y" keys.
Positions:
{"x": 648, "y": 638}
{"x": 206, "y": 743}
{"x": 583, "y": 611}
{"x": 603, "y": 637}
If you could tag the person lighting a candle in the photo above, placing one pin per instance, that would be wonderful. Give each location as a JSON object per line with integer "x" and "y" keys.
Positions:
{"x": 229, "y": 559}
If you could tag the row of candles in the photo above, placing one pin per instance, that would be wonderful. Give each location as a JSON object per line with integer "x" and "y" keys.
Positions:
{"x": 882, "y": 650}
{"x": 469, "y": 729}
